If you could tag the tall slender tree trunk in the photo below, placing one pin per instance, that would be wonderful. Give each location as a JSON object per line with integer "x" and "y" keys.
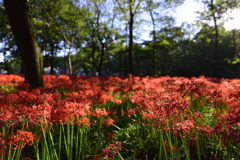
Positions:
{"x": 234, "y": 44}
{"x": 52, "y": 48}
{"x": 215, "y": 53}
{"x": 69, "y": 62}
{"x": 216, "y": 29}
{"x": 154, "y": 43}
{"x": 101, "y": 59}
{"x": 216, "y": 38}
{"x": 17, "y": 11}
{"x": 130, "y": 54}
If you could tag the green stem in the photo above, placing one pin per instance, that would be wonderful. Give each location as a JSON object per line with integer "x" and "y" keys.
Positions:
{"x": 35, "y": 145}
{"x": 198, "y": 149}
{"x": 60, "y": 142}
{"x": 53, "y": 150}
{"x": 65, "y": 140}
{"x": 186, "y": 150}
{"x": 120, "y": 155}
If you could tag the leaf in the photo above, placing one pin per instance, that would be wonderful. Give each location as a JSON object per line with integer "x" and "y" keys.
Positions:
{"x": 164, "y": 43}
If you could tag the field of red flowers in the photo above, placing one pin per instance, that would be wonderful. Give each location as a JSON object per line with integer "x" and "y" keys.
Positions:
{"x": 145, "y": 118}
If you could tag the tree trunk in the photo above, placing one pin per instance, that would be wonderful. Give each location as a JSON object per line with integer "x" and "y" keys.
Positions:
{"x": 154, "y": 42}
{"x": 130, "y": 54}
{"x": 216, "y": 30}
{"x": 17, "y": 11}
{"x": 52, "y": 49}
{"x": 234, "y": 44}
{"x": 69, "y": 62}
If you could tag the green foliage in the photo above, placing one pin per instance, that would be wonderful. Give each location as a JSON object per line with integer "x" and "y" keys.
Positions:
{"x": 93, "y": 37}
{"x": 7, "y": 88}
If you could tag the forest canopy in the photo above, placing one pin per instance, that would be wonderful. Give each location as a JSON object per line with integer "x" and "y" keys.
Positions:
{"x": 103, "y": 37}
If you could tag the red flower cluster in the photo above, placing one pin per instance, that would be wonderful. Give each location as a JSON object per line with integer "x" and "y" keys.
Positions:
{"x": 173, "y": 104}
{"x": 22, "y": 138}
{"x": 99, "y": 112}
{"x": 108, "y": 122}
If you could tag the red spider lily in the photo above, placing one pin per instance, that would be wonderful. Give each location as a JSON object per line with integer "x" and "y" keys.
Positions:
{"x": 104, "y": 97}
{"x": 22, "y": 138}
{"x": 190, "y": 87}
{"x": 166, "y": 101}
{"x": 108, "y": 122}
{"x": 11, "y": 98}
{"x": 131, "y": 111}
{"x": 99, "y": 112}
{"x": 40, "y": 113}
{"x": 233, "y": 116}
{"x": 118, "y": 101}
{"x": 23, "y": 86}
{"x": 85, "y": 122}
{"x": 207, "y": 130}
{"x": 14, "y": 79}
{"x": 148, "y": 115}
{"x": 185, "y": 126}
{"x": 35, "y": 114}
{"x": 68, "y": 111}
{"x": 27, "y": 97}
{"x": 49, "y": 98}
{"x": 6, "y": 116}
{"x": 76, "y": 96}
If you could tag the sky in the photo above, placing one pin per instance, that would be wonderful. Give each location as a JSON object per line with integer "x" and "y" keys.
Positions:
{"x": 186, "y": 13}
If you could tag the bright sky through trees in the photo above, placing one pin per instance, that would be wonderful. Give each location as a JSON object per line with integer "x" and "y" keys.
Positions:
{"x": 187, "y": 13}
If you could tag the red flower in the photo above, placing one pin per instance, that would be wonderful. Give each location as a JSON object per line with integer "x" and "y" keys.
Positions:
{"x": 83, "y": 122}
{"x": 22, "y": 86}
{"x": 28, "y": 97}
{"x": 108, "y": 122}
{"x": 118, "y": 101}
{"x": 68, "y": 111}
{"x": 184, "y": 126}
{"x": 131, "y": 111}
{"x": 5, "y": 116}
{"x": 148, "y": 115}
{"x": 22, "y": 138}
{"x": 99, "y": 112}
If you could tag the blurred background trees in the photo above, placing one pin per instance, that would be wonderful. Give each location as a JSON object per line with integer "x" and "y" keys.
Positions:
{"x": 103, "y": 37}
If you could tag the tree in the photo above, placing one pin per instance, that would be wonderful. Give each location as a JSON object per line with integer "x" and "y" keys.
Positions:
{"x": 60, "y": 26}
{"x": 150, "y": 7}
{"x": 47, "y": 29}
{"x": 18, "y": 14}
{"x": 215, "y": 11}
{"x": 100, "y": 28}
{"x": 158, "y": 11}
{"x": 129, "y": 10}
{"x": 7, "y": 43}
